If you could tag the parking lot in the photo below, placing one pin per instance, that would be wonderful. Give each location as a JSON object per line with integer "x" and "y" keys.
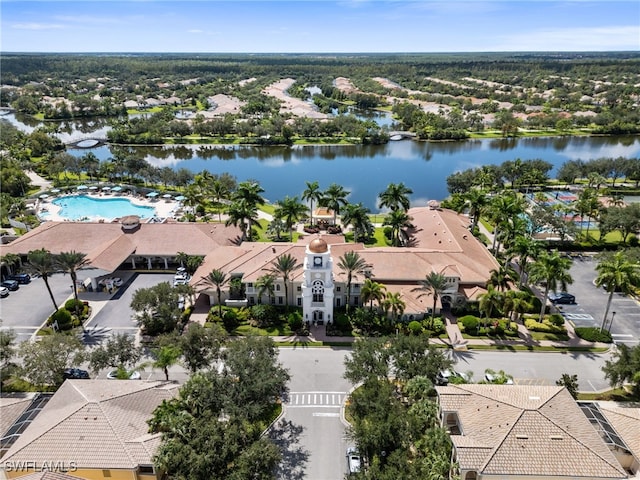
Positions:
{"x": 591, "y": 303}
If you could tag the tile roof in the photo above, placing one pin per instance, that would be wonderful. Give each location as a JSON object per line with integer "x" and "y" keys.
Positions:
{"x": 525, "y": 430}
{"x": 11, "y": 407}
{"x": 625, "y": 419}
{"x": 50, "y": 475}
{"x": 96, "y": 424}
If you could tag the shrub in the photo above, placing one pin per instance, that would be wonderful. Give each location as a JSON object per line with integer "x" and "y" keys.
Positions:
{"x": 470, "y": 323}
{"x": 63, "y": 319}
{"x": 342, "y": 323}
{"x": 295, "y": 321}
{"x": 263, "y": 316}
{"x": 71, "y": 305}
{"x": 556, "y": 319}
{"x": 438, "y": 326}
{"x": 415, "y": 327}
{"x": 593, "y": 334}
{"x": 230, "y": 320}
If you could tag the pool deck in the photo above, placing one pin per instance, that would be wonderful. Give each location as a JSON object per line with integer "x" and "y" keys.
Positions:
{"x": 164, "y": 208}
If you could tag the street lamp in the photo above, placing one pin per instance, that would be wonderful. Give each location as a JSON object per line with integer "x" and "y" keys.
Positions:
{"x": 613, "y": 315}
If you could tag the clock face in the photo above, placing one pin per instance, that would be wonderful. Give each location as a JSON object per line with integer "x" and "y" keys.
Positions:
{"x": 317, "y": 261}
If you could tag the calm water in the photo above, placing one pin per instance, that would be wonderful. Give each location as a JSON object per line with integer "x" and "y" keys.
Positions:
{"x": 77, "y": 207}
{"x": 364, "y": 170}
{"x": 367, "y": 170}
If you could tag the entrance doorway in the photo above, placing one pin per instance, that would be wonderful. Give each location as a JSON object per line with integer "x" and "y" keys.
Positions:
{"x": 318, "y": 317}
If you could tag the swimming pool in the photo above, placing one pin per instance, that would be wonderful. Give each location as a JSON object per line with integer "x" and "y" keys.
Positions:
{"x": 85, "y": 208}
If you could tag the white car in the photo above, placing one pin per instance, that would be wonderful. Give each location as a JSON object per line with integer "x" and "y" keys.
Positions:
{"x": 354, "y": 461}
{"x": 133, "y": 375}
{"x": 499, "y": 378}
{"x": 4, "y": 292}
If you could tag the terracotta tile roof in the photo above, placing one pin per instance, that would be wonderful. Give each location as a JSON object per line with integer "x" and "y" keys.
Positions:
{"x": 49, "y": 475}
{"x": 99, "y": 424}
{"x": 525, "y": 430}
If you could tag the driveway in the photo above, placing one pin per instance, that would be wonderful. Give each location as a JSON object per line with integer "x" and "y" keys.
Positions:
{"x": 26, "y": 309}
{"x": 115, "y": 314}
{"x": 591, "y": 303}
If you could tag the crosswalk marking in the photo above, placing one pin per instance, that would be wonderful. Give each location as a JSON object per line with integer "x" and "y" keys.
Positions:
{"x": 316, "y": 399}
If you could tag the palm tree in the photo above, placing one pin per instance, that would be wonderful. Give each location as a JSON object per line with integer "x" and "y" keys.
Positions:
{"x": 502, "y": 278}
{"x": 71, "y": 262}
{"x": 372, "y": 291}
{"x": 266, "y": 283}
{"x": 41, "y": 262}
{"x": 334, "y": 198}
{"x": 353, "y": 264}
{"x": 276, "y": 227}
{"x": 10, "y": 260}
{"x": 524, "y": 247}
{"x": 517, "y": 302}
{"x": 357, "y": 215}
{"x": 283, "y": 266}
{"x": 312, "y": 194}
{"x": 490, "y": 301}
{"x": 397, "y": 220}
{"x": 477, "y": 202}
{"x": 243, "y": 214}
{"x": 250, "y": 191}
{"x": 182, "y": 258}
{"x": 434, "y": 284}
{"x": 395, "y": 197}
{"x": 504, "y": 206}
{"x": 393, "y": 303}
{"x": 166, "y": 356}
{"x": 553, "y": 270}
{"x": 291, "y": 210}
{"x": 617, "y": 273}
{"x": 215, "y": 279}
{"x": 220, "y": 192}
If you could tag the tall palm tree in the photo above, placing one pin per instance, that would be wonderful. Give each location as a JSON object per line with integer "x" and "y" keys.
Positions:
{"x": 434, "y": 284}
{"x": 397, "y": 220}
{"x": 553, "y": 270}
{"x": 250, "y": 191}
{"x": 221, "y": 193}
{"x": 357, "y": 215}
{"x": 395, "y": 197}
{"x": 393, "y": 303}
{"x": 505, "y": 205}
{"x": 243, "y": 214}
{"x": 353, "y": 264}
{"x": 525, "y": 248}
{"x": 71, "y": 262}
{"x": 372, "y": 291}
{"x": 312, "y": 194}
{"x": 42, "y": 262}
{"x": 266, "y": 284}
{"x": 516, "y": 302}
{"x": 10, "y": 260}
{"x": 283, "y": 266}
{"x": 617, "y": 273}
{"x": 291, "y": 210}
{"x": 477, "y": 202}
{"x": 334, "y": 198}
{"x": 215, "y": 279}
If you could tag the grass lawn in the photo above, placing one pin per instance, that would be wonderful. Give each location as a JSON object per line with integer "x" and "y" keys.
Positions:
{"x": 549, "y": 336}
{"x": 531, "y": 348}
{"x": 617, "y": 395}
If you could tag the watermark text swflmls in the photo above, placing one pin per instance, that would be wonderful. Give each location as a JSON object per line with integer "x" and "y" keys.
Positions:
{"x": 39, "y": 466}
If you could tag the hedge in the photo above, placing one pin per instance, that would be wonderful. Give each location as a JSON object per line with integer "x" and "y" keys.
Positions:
{"x": 593, "y": 334}
{"x": 546, "y": 326}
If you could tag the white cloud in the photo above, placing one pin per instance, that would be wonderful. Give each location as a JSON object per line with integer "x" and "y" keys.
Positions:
{"x": 195, "y": 30}
{"x": 37, "y": 26}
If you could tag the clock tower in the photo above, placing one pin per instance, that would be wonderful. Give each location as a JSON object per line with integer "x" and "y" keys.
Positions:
{"x": 317, "y": 286}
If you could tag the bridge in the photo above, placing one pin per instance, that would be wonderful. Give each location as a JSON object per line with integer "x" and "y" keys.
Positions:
{"x": 399, "y": 135}
{"x": 87, "y": 142}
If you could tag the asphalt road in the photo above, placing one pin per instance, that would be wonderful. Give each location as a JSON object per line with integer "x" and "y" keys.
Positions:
{"x": 26, "y": 309}
{"x": 591, "y": 303}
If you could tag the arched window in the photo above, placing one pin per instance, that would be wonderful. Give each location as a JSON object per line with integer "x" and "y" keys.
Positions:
{"x": 317, "y": 289}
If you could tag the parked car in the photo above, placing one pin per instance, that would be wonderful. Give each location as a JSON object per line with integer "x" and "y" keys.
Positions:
{"x": 179, "y": 281}
{"x": 22, "y": 278}
{"x": 562, "y": 297}
{"x": 354, "y": 461}
{"x": 133, "y": 375}
{"x": 11, "y": 285}
{"x": 4, "y": 292}
{"x": 75, "y": 373}
{"x": 445, "y": 376}
{"x": 498, "y": 378}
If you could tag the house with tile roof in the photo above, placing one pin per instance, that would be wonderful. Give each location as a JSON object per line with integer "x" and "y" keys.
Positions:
{"x": 92, "y": 429}
{"x": 522, "y": 432}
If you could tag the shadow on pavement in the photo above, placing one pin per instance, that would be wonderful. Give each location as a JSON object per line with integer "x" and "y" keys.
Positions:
{"x": 286, "y": 436}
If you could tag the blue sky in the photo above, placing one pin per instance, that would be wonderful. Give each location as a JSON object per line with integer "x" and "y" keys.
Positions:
{"x": 304, "y": 26}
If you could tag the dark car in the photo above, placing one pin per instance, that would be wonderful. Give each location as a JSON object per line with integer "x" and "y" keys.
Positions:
{"x": 562, "y": 297}
{"x": 22, "y": 278}
{"x": 75, "y": 374}
{"x": 11, "y": 285}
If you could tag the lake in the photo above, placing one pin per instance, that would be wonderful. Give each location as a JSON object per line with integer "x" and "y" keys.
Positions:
{"x": 367, "y": 170}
